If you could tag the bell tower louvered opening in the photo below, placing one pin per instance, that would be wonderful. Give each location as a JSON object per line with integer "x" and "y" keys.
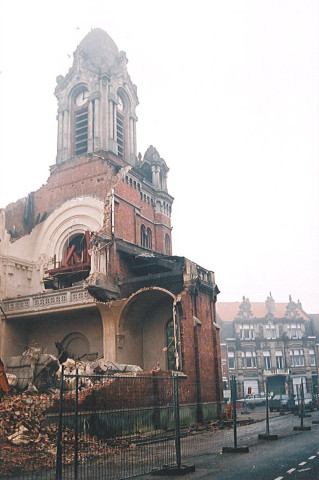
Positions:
{"x": 81, "y": 131}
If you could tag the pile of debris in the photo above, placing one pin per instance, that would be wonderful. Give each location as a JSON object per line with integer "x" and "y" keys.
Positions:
{"x": 28, "y": 443}
{"x": 36, "y": 371}
{"x": 22, "y": 424}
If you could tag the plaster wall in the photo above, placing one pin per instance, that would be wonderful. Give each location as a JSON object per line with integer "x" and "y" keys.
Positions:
{"x": 13, "y": 338}
{"x": 46, "y": 330}
{"x": 143, "y": 329}
{"x": 24, "y": 261}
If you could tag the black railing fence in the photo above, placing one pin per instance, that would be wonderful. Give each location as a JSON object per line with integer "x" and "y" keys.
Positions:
{"x": 114, "y": 427}
{"x": 99, "y": 426}
{"x": 121, "y": 427}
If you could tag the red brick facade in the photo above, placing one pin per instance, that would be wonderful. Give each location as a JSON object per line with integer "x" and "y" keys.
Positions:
{"x": 140, "y": 289}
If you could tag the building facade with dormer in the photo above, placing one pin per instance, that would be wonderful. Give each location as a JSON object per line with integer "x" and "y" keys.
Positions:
{"x": 86, "y": 260}
{"x": 267, "y": 342}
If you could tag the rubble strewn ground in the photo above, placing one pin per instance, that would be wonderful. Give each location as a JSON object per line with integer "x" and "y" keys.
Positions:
{"x": 27, "y": 443}
{"x": 25, "y": 440}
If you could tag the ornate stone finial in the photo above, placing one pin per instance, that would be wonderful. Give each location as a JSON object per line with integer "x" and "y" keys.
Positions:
{"x": 123, "y": 58}
{"x": 270, "y": 306}
{"x": 292, "y": 309}
{"x": 244, "y": 311}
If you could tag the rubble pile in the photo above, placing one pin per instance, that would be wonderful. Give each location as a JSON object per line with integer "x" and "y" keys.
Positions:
{"x": 27, "y": 443}
{"x": 34, "y": 370}
{"x": 108, "y": 394}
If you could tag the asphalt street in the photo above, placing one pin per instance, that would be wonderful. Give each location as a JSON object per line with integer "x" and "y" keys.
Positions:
{"x": 295, "y": 455}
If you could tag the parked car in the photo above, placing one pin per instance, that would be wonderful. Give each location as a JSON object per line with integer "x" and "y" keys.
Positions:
{"x": 281, "y": 402}
{"x": 310, "y": 402}
{"x": 255, "y": 399}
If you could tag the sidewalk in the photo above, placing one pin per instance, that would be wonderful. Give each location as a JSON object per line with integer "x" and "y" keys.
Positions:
{"x": 257, "y": 414}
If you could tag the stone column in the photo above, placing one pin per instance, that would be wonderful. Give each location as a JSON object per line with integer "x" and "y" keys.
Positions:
{"x": 134, "y": 138}
{"x": 96, "y": 132}
{"x": 90, "y": 126}
{"x": 154, "y": 175}
{"x": 60, "y": 137}
{"x": 114, "y": 121}
{"x": 65, "y": 135}
{"x": 111, "y": 119}
{"x": 131, "y": 136}
{"x": 158, "y": 180}
{"x": 164, "y": 177}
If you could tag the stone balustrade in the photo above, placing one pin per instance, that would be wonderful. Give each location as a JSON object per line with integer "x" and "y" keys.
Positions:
{"x": 47, "y": 301}
{"x": 276, "y": 371}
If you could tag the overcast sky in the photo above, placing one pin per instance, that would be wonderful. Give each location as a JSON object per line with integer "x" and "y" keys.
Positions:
{"x": 228, "y": 95}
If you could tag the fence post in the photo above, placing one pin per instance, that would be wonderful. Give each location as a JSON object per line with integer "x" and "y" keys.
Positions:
{"x": 76, "y": 426}
{"x": 177, "y": 421}
{"x": 234, "y": 405}
{"x": 267, "y": 408}
{"x": 58, "y": 472}
{"x": 302, "y": 409}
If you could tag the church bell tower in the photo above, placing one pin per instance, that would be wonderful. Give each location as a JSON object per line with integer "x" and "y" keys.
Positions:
{"x": 97, "y": 102}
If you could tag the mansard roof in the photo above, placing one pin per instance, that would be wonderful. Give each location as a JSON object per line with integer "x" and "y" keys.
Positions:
{"x": 230, "y": 311}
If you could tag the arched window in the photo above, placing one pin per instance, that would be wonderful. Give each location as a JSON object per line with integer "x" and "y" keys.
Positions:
{"x": 146, "y": 237}
{"x": 75, "y": 264}
{"x": 143, "y": 235}
{"x": 147, "y": 172}
{"x": 76, "y": 345}
{"x": 170, "y": 345}
{"x": 120, "y": 127}
{"x": 149, "y": 238}
{"x": 167, "y": 245}
{"x": 80, "y": 108}
{"x": 76, "y": 250}
{"x": 122, "y": 124}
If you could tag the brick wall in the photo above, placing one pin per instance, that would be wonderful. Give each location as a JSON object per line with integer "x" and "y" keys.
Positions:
{"x": 208, "y": 348}
{"x": 86, "y": 176}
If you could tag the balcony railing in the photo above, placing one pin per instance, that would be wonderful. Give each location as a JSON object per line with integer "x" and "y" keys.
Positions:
{"x": 41, "y": 302}
{"x": 276, "y": 371}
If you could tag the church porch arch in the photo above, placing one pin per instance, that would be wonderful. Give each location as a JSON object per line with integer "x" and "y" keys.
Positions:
{"x": 148, "y": 330}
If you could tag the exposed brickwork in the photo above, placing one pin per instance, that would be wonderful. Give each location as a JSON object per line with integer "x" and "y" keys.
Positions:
{"x": 94, "y": 176}
{"x": 122, "y": 261}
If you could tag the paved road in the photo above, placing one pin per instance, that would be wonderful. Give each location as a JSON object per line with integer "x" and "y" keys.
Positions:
{"x": 294, "y": 456}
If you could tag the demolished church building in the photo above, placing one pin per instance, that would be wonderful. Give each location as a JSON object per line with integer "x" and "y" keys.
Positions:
{"x": 86, "y": 261}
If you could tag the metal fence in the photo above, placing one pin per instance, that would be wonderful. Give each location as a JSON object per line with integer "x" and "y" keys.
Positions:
{"x": 121, "y": 427}
{"x": 95, "y": 427}
{"x": 112, "y": 427}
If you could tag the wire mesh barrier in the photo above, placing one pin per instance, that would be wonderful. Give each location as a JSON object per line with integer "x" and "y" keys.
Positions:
{"x": 95, "y": 427}
{"x": 113, "y": 427}
{"x": 119, "y": 428}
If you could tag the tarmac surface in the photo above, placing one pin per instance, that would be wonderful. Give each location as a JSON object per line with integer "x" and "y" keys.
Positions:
{"x": 210, "y": 462}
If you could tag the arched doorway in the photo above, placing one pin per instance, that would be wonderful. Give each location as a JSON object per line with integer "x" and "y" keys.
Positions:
{"x": 146, "y": 326}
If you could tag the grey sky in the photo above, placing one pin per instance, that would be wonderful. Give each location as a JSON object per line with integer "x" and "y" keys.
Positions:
{"x": 228, "y": 95}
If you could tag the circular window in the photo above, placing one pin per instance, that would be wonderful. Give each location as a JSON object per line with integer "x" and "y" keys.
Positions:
{"x": 76, "y": 345}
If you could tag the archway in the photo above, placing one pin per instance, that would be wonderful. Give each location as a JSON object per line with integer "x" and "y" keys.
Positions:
{"x": 145, "y": 329}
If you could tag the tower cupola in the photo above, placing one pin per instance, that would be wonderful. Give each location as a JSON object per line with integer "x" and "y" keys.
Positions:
{"x": 97, "y": 102}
